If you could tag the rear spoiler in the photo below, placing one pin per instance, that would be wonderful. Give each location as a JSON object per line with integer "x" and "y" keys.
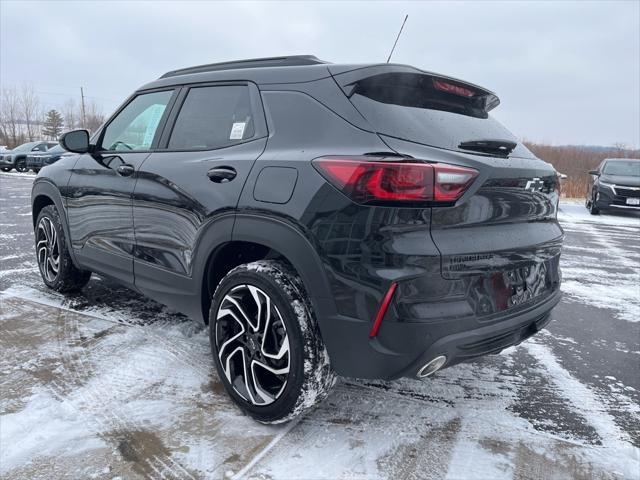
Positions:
{"x": 348, "y": 77}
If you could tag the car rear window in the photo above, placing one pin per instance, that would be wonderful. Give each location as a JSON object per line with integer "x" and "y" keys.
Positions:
{"x": 213, "y": 117}
{"x": 415, "y": 107}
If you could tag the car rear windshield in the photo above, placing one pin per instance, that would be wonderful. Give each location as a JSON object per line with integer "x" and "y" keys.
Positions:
{"x": 425, "y": 109}
{"x": 618, "y": 167}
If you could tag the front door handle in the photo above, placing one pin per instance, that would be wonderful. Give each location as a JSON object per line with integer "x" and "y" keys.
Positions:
{"x": 125, "y": 170}
{"x": 222, "y": 174}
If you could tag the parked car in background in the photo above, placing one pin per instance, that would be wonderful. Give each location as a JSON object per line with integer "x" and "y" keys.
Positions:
{"x": 17, "y": 158}
{"x": 615, "y": 184}
{"x": 37, "y": 160}
{"x": 369, "y": 220}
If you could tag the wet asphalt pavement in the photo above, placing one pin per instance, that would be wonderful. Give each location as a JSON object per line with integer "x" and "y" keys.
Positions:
{"x": 106, "y": 384}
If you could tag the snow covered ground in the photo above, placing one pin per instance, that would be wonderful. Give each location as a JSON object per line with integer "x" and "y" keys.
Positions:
{"x": 107, "y": 384}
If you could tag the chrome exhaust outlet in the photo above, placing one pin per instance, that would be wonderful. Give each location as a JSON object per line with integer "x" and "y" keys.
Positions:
{"x": 432, "y": 367}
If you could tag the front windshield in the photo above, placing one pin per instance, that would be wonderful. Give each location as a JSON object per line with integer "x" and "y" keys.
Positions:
{"x": 629, "y": 168}
{"x": 25, "y": 147}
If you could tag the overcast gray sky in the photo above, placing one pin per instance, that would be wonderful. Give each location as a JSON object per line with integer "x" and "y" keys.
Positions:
{"x": 566, "y": 72}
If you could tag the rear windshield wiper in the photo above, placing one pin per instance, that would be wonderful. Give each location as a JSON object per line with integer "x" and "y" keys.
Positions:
{"x": 499, "y": 148}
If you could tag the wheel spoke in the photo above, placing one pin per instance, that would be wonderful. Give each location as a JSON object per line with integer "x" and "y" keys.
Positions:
{"x": 265, "y": 396}
{"x": 230, "y": 343}
{"x": 242, "y": 312}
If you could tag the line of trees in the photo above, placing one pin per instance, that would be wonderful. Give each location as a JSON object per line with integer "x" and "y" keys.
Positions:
{"x": 24, "y": 119}
{"x": 575, "y": 161}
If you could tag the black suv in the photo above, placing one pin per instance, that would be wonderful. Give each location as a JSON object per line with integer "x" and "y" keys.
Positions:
{"x": 370, "y": 221}
{"x": 615, "y": 184}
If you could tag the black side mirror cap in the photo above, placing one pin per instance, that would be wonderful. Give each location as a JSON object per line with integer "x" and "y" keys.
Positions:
{"x": 76, "y": 141}
{"x": 594, "y": 172}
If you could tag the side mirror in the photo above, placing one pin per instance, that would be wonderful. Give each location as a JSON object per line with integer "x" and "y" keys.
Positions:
{"x": 594, "y": 172}
{"x": 76, "y": 141}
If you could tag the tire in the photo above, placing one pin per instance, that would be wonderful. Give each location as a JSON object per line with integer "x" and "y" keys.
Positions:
{"x": 21, "y": 166}
{"x": 296, "y": 381}
{"x": 6, "y": 169}
{"x": 593, "y": 209}
{"x": 54, "y": 262}
{"x": 35, "y": 170}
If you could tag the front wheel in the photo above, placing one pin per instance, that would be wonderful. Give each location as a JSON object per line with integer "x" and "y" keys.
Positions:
{"x": 21, "y": 166}
{"x": 6, "y": 169}
{"x": 56, "y": 267}
{"x": 266, "y": 344}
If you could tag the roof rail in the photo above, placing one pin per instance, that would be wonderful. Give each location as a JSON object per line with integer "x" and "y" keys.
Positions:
{"x": 294, "y": 60}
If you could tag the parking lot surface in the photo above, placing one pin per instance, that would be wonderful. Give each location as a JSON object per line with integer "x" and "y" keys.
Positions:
{"x": 107, "y": 384}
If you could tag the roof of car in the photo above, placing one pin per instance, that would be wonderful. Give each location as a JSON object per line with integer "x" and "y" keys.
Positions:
{"x": 622, "y": 159}
{"x": 271, "y": 70}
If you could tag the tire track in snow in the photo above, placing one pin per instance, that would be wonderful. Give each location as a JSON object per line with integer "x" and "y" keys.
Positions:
{"x": 622, "y": 453}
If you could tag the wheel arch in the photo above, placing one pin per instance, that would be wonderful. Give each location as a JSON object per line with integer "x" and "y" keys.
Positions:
{"x": 43, "y": 194}
{"x": 256, "y": 237}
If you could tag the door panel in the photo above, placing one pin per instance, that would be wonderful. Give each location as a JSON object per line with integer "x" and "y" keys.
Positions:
{"x": 100, "y": 213}
{"x": 99, "y": 200}
{"x": 174, "y": 200}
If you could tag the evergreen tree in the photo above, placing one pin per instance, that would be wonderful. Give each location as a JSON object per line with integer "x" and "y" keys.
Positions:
{"x": 53, "y": 123}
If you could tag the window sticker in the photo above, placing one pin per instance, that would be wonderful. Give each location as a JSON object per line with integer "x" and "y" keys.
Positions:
{"x": 155, "y": 114}
{"x": 237, "y": 131}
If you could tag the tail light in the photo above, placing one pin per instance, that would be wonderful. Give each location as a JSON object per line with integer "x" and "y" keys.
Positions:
{"x": 379, "y": 181}
{"x": 449, "y": 87}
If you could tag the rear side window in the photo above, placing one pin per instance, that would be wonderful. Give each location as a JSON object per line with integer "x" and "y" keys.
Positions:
{"x": 426, "y": 109}
{"x": 213, "y": 117}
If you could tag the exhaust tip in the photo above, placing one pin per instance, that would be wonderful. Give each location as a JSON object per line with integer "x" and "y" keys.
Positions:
{"x": 432, "y": 367}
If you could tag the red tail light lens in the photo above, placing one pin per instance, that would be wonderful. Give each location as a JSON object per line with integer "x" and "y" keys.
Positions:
{"x": 449, "y": 87}
{"x": 369, "y": 180}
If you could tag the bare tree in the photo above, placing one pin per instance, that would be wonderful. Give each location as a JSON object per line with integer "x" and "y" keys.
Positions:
{"x": 30, "y": 108}
{"x": 94, "y": 116}
{"x": 9, "y": 117}
{"x": 70, "y": 114}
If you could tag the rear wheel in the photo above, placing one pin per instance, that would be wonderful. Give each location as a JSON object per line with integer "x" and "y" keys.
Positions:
{"x": 266, "y": 344}
{"x": 56, "y": 267}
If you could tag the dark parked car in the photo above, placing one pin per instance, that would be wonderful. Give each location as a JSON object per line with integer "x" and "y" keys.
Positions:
{"x": 369, "y": 220}
{"x": 17, "y": 158}
{"x": 615, "y": 185}
{"x": 35, "y": 161}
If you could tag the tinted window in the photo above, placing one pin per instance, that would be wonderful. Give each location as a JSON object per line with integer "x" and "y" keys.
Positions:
{"x": 213, "y": 117}
{"x": 409, "y": 107}
{"x": 135, "y": 127}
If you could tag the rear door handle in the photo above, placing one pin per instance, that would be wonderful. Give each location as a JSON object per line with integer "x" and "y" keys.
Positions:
{"x": 125, "y": 170}
{"x": 222, "y": 174}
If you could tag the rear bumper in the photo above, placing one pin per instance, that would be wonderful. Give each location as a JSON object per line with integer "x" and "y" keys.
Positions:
{"x": 402, "y": 348}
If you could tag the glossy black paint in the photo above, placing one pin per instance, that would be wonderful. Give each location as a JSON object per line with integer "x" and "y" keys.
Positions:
{"x": 174, "y": 225}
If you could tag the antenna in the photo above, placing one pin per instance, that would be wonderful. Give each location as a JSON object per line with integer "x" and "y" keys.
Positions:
{"x": 396, "y": 42}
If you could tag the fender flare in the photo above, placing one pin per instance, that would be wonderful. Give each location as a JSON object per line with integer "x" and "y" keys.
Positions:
{"x": 281, "y": 236}
{"x": 44, "y": 188}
